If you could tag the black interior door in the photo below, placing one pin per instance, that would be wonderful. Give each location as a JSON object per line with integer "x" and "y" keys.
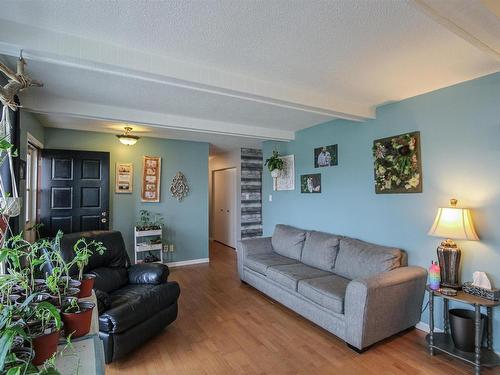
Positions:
{"x": 74, "y": 191}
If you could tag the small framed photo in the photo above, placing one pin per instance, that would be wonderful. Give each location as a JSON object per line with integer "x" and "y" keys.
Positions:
{"x": 124, "y": 178}
{"x": 310, "y": 183}
{"x": 326, "y": 156}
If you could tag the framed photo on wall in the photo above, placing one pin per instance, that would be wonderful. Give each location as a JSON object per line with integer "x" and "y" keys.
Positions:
{"x": 326, "y": 156}
{"x": 124, "y": 178}
{"x": 151, "y": 177}
{"x": 310, "y": 183}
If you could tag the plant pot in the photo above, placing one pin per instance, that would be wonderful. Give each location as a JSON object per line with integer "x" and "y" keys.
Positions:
{"x": 275, "y": 173}
{"x": 86, "y": 286}
{"x": 71, "y": 292}
{"x": 44, "y": 346}
{"x": 463, "y": 330}
{"x": 78, "y": 323}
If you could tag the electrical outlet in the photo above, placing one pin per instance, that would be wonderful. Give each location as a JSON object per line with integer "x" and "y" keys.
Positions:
{"x": 270, "y": 197}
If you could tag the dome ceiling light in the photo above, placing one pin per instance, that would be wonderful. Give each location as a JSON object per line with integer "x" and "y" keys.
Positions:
{"x": 127, "y": 138}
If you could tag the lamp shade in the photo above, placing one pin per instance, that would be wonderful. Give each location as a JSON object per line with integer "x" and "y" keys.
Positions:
{"x": 454, "y": 223}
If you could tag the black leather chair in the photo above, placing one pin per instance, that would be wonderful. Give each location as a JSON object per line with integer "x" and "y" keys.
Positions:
{"x": 135, "y": 302}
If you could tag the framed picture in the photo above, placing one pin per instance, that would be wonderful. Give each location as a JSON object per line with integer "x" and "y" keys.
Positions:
{"x": 310, "y": 183}
{"x": 326, "y": 156}
{"x": 124, "y": 178}
{"x": 286, "y": 179}
{"x": 151, "y": 177}
{"x": 397, "y": 164}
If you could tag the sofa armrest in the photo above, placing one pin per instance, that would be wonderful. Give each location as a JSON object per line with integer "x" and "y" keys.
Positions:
{"x": 259, "y": 245}
{"x": 148, "y": 273}
{"x": 383, "y": 305}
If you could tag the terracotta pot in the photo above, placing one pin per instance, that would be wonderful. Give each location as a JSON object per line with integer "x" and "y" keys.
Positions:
{"x": 78, "y": 323}
{"x": 71, "y": 292}
{"x": 86, "y": 286}
{"x": 44, "y": 346}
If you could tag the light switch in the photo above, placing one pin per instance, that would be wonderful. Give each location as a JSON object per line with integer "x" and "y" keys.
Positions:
{"x": 270, "y": 197}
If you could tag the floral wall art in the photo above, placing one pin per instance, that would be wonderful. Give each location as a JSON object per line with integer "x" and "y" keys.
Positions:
{"x": 397, "y": 164}
{"x": 286, "y": 179}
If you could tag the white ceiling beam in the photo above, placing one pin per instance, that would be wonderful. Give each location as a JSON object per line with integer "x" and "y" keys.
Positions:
{"x": 58, "y": 48}
{"x": 65, "y": 107}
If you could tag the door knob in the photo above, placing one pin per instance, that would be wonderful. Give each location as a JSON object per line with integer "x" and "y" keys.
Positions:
{"x": 103, "y": 213}
{"x": 103, "y": 220}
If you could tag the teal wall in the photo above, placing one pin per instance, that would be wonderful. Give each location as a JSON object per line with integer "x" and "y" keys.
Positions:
{"x": 186, "y": 221}
{"x": 460, "y": 137}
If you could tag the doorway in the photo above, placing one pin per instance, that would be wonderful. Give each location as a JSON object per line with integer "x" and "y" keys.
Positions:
{"x": 33, "y": 148}
{"x": 224, "y": 206}
{"x": 74, "y": 191}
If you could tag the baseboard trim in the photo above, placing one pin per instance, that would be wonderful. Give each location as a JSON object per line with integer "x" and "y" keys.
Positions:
{"x": 188, "y": 262}
{"x": 425, "y": 327}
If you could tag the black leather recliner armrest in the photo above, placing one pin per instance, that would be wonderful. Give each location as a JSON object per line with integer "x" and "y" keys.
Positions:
{"x": 148, "y": 273}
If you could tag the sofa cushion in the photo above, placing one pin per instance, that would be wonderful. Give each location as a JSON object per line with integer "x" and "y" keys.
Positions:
{"x": 320, "y": 250}
{"x": 327, "y": 291}
{"x": 133, "y": 304}
{"x": 359, "y": 259}
{"x": 260, "y": 262}
{"x": 289, "y": 275}
{"x": 288, "y": 241}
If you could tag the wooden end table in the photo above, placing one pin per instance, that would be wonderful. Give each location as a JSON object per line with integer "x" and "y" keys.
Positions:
{"x": 482, "y": 356}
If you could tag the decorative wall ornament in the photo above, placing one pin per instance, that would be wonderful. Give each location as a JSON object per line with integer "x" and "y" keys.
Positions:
{"x": 17, "y": 81}
{"x": 397, "y": 164}
{"x": 124, "y": 178}
{"x": 151, "y": 178}
{"x": 286, "y": 178}
{"x": 179, "y": 187}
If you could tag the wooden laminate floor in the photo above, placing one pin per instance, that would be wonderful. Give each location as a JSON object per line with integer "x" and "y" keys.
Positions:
{"x": 225, "y": 327}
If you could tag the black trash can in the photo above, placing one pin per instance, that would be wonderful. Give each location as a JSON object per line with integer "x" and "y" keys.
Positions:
{"x": 463, "y": 330}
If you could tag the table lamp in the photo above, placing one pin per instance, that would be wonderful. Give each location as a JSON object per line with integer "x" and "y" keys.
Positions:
{"x": 452, "y": 223}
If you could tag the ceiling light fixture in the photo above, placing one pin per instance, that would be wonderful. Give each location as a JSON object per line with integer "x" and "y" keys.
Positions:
{"x": 127, "y": 138}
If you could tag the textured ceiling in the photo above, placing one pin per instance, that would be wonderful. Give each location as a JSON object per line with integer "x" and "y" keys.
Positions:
{"x": 291, "y": 63}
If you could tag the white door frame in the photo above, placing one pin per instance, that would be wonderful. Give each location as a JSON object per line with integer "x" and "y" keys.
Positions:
{"x": 235, "y": 202}
{"x": 33, "y": 147}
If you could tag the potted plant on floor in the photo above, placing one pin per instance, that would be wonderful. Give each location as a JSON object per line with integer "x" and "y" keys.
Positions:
{"x": 77, "y": 317}
{"x": 275, "y": 165}
{"x": 83, "y": 252}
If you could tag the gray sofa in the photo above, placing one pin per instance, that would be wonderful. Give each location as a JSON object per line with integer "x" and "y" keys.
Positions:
{"x": 358, "y": 291}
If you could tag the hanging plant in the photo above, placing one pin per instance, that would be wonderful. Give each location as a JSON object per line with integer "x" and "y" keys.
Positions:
{"x": 274, "y": 162}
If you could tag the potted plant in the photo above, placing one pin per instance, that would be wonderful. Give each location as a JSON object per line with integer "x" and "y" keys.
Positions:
{"x": 77, "y": 317}
{"x": 45, "y": 330}
{"x": 275, "y": 165}
{"x": 83, "y": 252}
{"x": 145, "y": 222}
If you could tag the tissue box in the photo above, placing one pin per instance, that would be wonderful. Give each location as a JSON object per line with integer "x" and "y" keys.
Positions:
{"x": 492, "y": 295}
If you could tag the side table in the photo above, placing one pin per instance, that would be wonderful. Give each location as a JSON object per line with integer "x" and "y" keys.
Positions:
{"x": 482, "y": 356}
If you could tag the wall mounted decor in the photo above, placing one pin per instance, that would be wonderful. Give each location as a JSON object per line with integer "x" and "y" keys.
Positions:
{"x": 179, "y": 187}
{"x": 326, "y": 156}
{"x": 151, "y": 177}
{"x": 17, "y": 81}
{"x": 397, "y": 164}
{"x": 124, "y": 178}
{"x": 286, "y": 179}
{"x": 310, "y": 183}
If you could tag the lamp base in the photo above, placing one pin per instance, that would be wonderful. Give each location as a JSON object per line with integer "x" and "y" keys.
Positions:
{"x": 449, "y": 261}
